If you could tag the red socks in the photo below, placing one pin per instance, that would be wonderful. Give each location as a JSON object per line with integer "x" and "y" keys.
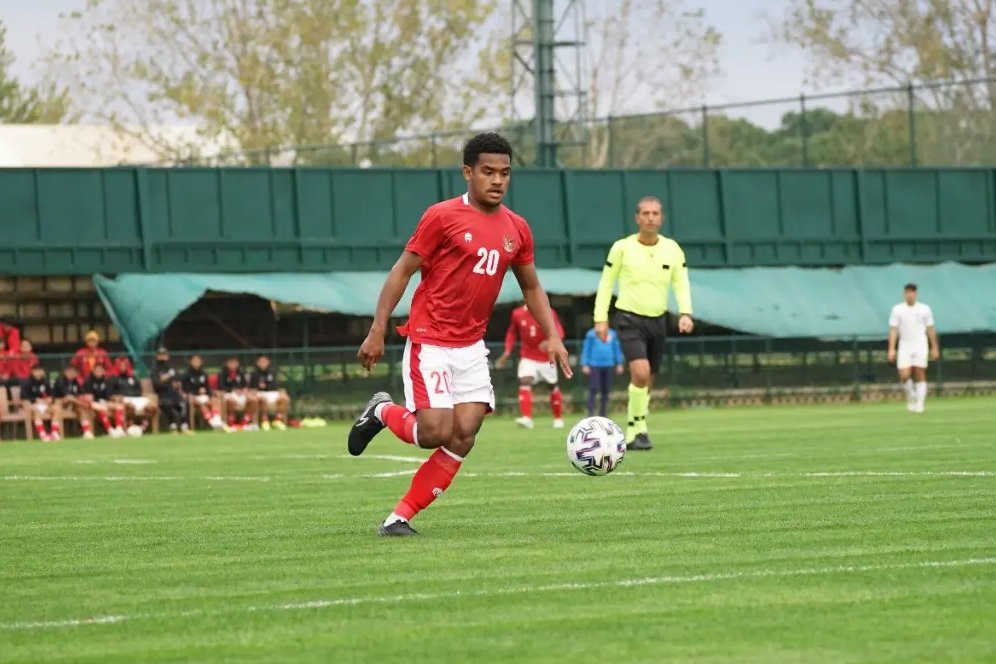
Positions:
{"x": 526, "y": 400}
{"x": 119, "y": 417}
{"x": 105, "y": 421}
{"x": 401, "y": 421}
{"x": 85, "y": 425}
{"x": 556, "y": 403}
{"x": 430, "y": 481}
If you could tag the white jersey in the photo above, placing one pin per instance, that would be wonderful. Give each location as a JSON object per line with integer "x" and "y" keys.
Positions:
{"x": 911, "y": 322}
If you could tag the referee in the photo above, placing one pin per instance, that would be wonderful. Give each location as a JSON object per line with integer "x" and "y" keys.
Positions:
{"x": 646, "y": 266}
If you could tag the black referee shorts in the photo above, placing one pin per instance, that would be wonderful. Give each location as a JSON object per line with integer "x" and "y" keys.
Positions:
{"x": 642, "y": 338}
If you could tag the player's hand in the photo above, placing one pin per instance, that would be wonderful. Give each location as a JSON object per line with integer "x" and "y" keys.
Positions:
{"x": 501, "y": 361}
{"x": 586, "y": 371}
{"x": 558, "y": 354}
{"x": 620, "y": 369}
{"x": 892, "y": 355}
{"x": 602, "y": 331}
{"x": 686, "y": 324}
{"x": 371, "y": 350}
{"x": 935, "y": 354}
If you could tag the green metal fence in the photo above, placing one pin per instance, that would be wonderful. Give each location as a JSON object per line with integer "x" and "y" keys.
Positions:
{"x": 330, "y": 382}
{"x": 929, "y": 123}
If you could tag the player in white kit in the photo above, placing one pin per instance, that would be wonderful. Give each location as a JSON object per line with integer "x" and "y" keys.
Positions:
{"x": 912, "y": 324}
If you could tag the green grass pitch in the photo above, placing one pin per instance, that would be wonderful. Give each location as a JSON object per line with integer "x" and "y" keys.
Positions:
{"x": 792, "y": 534}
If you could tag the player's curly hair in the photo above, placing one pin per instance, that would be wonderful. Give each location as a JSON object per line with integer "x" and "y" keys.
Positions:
{"x": 486, "y": 143}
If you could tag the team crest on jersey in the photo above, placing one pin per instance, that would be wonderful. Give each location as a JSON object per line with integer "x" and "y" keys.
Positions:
{"x": 467, "y": 237}
{"x": 509, "y": 245}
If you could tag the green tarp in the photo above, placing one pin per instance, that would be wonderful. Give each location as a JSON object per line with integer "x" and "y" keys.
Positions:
{"x": 776, "y": 302}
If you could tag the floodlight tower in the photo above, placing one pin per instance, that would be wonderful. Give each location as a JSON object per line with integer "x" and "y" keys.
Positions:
{"x": 548, "y": 53}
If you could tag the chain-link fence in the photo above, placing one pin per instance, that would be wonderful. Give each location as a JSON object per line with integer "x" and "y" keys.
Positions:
{"x": 940, "y": 123}
{"x": 330, "y": 382}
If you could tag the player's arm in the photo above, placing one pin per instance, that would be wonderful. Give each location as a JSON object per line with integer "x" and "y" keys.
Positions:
{"x": 935, "y": 347}
{"x": 682, "y": 293}
{"x": 510, "y": 336}
{"x": 603, "y": 296}
{"x": 893, "y": 338}
{"x": 539, "y": 306}
{"x": 391, "y": 293}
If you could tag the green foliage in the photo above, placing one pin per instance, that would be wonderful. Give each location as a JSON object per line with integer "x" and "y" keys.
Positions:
{"x": 20, "y": 104}
{"x": 259, "y": 74}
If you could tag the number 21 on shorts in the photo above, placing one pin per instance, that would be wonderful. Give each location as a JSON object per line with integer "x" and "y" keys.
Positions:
{"x": 440, "y": 381}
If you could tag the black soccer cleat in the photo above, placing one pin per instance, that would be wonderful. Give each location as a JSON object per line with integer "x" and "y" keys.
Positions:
{"x": 641, "y": 442}
{"x": 397, "y": 528}
{"x": 367, "y": 425}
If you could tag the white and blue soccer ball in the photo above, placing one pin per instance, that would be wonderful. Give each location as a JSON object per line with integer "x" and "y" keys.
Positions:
{"x": 596, "y": 446}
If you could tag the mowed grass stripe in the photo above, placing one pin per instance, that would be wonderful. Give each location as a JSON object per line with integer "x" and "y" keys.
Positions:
{"x": 194, "y": 555}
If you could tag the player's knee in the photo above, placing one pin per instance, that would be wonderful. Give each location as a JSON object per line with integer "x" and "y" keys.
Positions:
{"x": 526, "y": 382}
{"x": 434, "y": 433}
{"x": 462, "y": 444}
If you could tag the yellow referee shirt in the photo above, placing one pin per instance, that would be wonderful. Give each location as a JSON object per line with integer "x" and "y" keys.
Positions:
{"x": 645, "y": 275}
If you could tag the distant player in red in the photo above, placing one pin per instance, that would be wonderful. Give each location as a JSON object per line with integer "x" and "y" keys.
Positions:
{"x": 463, "y": 247}
{"x": 534, "y": 364}
{"x": 92, "y": 354}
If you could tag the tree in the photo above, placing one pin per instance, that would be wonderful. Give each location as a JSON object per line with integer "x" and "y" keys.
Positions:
{"x": 42, "y": 104}
{"x": 258, "y": 74}
{"x": 645, "y": 52}
{"x": 903, "y": 41}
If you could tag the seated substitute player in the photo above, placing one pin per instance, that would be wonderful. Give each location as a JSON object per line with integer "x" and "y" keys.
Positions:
{"x": 463, "y": 247}
{"x": 195, "y": 385}
{"x": 234, "y": 388}
{"x": 68, "y": 390}
{"x": 98, "y": 397}
{"x": 270, "y": 399}
{"x": 597, "y": 360}
{"x": 138, "y": 408}
{"x": 90, "y": 355}
{"x": 37, "y": 391}
{"x": 534, "y": 365}
{"x": 647, "y": 265}
{"x": 912, "y": 324}
{"x": 169, "y": 391}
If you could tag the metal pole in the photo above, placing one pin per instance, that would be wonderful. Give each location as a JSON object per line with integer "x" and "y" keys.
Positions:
{"x": 910, "y": 99}
{"x": 434, "y": 164}
{"x": 705, "y": 136}
{"x": 803, "y": 130}
{"x": 543, "y": 73}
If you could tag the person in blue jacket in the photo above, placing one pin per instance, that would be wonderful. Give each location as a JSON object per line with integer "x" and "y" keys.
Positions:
{"x": 597, "y": 360}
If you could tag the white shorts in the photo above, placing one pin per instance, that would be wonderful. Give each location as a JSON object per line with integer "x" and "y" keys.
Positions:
{"x": 202, "y": 399}
{"x": 138, "y": 403}
{"x": 441, "y": 377}
{"x": 237, "y": 400}
{"x": 915, "y": 356}
{"x": 270, "y": 397}
{"x": 41, "y": 407}
{"x": 538, "y": 371}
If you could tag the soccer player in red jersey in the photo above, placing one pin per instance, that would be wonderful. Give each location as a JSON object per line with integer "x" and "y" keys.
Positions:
{"x": 463, "y": 247}
{"x": 534, "y": 364}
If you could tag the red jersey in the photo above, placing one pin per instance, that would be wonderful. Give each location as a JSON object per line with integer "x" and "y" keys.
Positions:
{"x": 524, "y": 326}
{"x": 465, "y": 254}
{"x": 85, "y": 359}
{"x": 20, "y": 365}
{"x": 11, "y": 337}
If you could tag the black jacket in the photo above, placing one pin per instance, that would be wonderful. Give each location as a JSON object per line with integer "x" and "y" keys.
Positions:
{"x": 264, "y": 381}
{"x": 195, "y": 381}
{"x": 64, "y": 387}
{"x": 229, "y": 382}
{"x": 100, "y": 388}
{"x": 127, "y": 386}
{"x": 165, "y": 381}
{"x": 34, "y": 389}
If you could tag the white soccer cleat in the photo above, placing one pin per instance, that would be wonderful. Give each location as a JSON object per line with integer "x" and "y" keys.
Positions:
{"x": 216, "y": 423}
{"x": 918, "y": 408}
{"x": 524, "y": 422}
{"x": 88, "y": 435}
{"x": 911, "y": 406}
{"x": 558, "y": 423}
{"x": 117, "y": 432}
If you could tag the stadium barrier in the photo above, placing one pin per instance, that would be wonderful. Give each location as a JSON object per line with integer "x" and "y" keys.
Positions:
{"x": 697, "y": 371}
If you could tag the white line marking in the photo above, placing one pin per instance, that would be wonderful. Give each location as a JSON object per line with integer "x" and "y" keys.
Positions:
{"x": 519, "y": 590}
{"x": 84, "y": 462}
{"x": 384, "y": 457}
{"x": 133, "y": 462}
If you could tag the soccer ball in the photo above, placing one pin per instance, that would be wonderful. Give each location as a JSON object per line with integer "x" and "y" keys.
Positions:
{"x": 596, "y": 446}
{"x": 134, "y": 431}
